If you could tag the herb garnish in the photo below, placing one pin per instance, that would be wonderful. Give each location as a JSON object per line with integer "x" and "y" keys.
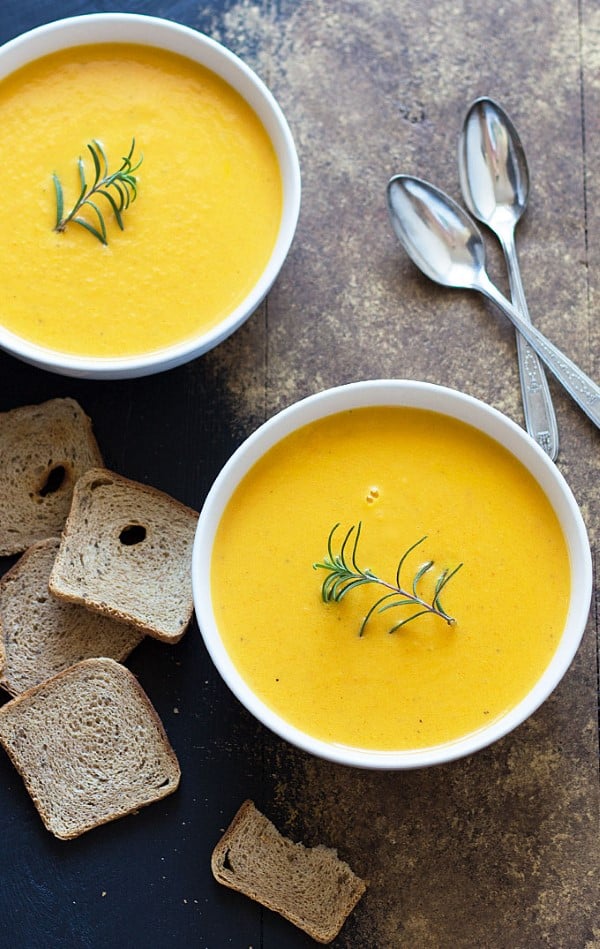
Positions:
{"x": 123, "y": 183}
{"x": 344, "y": 575}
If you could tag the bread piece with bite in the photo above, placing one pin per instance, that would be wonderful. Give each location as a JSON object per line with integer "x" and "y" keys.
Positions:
{"x": 309, "y": 886}
{"x": 126, "y": 552}
{"x": 41, "y": 635}
{"x": 89, "y": 747}
{"x": 43, "y": 451}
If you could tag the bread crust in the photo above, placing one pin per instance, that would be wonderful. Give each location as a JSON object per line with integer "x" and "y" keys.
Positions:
{"x": 147, "y": 584}
{"x": 37, "y": 443}
{"x": 41, "y": 635}
{"x": 253, "y": 858}
{"x": 70, "y": 785}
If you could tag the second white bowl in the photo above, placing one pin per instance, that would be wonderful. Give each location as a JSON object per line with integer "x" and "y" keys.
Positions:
{"x": 446, "y": 402}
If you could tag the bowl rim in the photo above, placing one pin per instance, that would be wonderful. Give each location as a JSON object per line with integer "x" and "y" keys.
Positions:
{"x": 445, "y": 401}
{"x": 144, "y": 30}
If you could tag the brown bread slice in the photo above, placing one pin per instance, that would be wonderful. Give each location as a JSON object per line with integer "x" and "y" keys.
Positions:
{"x": 310, "y": 886}
{"x": 41, "y": 635}
{"x": 89, "y": 747}
{"x": 126, "y": 552}
{"x": 43, "y": 451}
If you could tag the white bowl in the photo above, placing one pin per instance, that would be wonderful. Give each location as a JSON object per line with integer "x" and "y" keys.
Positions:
{"x": 446, "y": 402}
{"x": 152, "y": 31}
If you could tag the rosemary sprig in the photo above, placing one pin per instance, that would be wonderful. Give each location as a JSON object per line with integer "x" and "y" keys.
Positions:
{"x": 118, "y": 188}
{"x": 344, "y": 574}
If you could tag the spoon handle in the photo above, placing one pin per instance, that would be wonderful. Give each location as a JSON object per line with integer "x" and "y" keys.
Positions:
{"x": 580, "y": 387}
{"x": 540, "y": 418}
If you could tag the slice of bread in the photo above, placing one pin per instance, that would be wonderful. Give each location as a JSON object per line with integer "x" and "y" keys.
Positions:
{"x": 43, "y": 451}
{"x": 310, "y": 886}
{"x": 41, "y": 635}
{"x": 126, "y": 552}
{"x": 89, "y": 747}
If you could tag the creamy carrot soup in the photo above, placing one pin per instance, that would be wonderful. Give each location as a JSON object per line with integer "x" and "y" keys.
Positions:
{"x": 195, "y": 240}
{"x": 403, "y": 473}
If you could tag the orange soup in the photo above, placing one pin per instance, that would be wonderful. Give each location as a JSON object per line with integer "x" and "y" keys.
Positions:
{"x": 195, "y": 240}
{"x": 403, "y": 474}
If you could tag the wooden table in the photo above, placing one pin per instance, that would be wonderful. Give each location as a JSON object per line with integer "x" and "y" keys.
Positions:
{"x": 498, "y": 850}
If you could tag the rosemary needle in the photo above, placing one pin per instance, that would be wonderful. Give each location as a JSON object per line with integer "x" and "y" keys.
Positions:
{"x": 344, "y": 575}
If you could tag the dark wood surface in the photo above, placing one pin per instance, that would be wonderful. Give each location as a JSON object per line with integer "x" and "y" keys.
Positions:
{"x": 498, "y": 850}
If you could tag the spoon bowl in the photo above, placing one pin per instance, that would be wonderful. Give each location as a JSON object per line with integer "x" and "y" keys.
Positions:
{"x": 437, "y": 234}
{"x": 493, "y": 170}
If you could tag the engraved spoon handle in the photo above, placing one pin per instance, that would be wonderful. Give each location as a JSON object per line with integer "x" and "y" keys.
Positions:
{"x": 540, "y": 418}
{"x": 580, "y": 387}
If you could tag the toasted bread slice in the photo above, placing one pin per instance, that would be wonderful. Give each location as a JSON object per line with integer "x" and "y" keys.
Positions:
{"x": 43, "y": 451}
{"x": 89, "y": 747}
{"x": 41, "y": 635}
{"x": 126, "y": 552}
{"x": 311, "y": 887}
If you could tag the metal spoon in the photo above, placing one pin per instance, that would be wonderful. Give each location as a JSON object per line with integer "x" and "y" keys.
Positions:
{"x": 494, "y": 179}
{"x": 446, "y": 244}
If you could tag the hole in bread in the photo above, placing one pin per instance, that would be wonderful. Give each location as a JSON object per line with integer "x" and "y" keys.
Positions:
{"x": 99, "y": 483}
{"x": 132, "y": 534}
{"x": 54, "y": 481}
{"x": 163, "y": 784}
